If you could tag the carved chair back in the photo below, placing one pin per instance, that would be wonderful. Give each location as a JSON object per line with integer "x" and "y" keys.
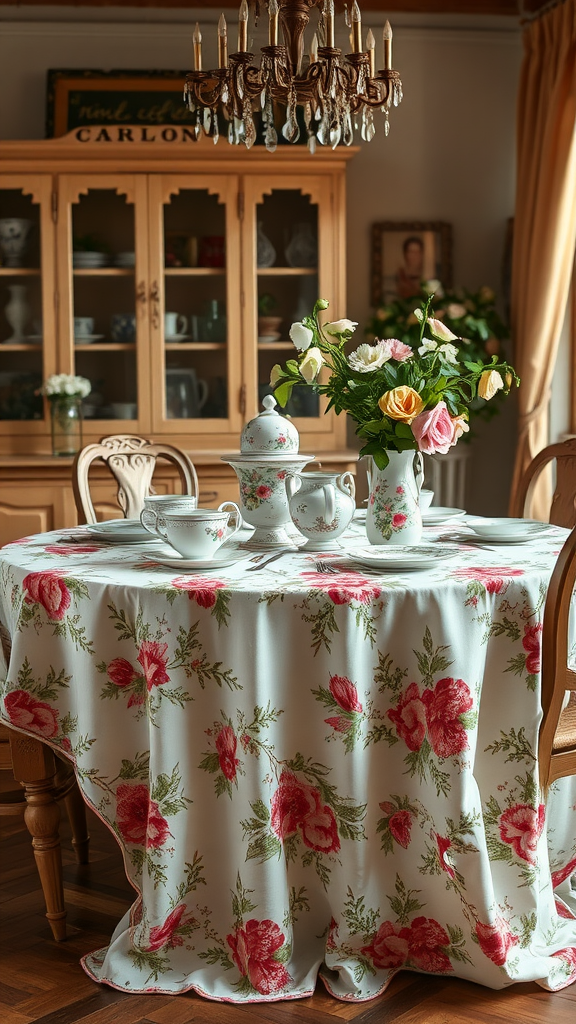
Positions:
{"x": 563, "y": 508}
{"x": 557, "y": 740}
{"x": 131, "y": 461}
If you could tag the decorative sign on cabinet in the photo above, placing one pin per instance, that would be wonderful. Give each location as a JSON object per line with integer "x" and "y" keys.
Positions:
{"x": 141, "y": 267}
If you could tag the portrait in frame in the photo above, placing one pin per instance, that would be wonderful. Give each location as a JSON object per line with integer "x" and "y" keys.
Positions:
{"x": 406, "y": 253}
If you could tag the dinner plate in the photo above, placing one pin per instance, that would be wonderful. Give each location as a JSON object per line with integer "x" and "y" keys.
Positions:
{"x": 505, "y": 531}
{"x": 436, "y": 515}
{"x": 171, "y": 338}
{"x": 403, "y": 556}
{"x": 122, "y": 531}
{"x": 87, "y": 339}
{"x": 197, "y": 564}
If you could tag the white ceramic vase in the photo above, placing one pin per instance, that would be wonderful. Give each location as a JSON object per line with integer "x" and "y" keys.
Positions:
{"x": 263, "y": 498}
{"x": 321, "y": 505}
{"x": 393, "y": 515}
{"x": 17, "y": 313}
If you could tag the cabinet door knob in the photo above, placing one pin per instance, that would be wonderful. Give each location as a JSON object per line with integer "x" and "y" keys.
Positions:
{"x": 141, "y": 293}
{"x": 155, "y": 300}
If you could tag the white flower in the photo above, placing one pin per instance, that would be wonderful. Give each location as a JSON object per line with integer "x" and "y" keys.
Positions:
{"x": 66, "y": 384}
{"x": 455, "y": 310}
{"x": 311, "y": 364}
{"x": 427, "y": 346}
{"x": 301, "y": 336}
{"x": 433, "y": 287}
{"x": 419, "y": 314}
{"x": 449, "y": 352}
{"x": 440, "y": 331}
{"x": 369, "y": 357}
{"x": 341, "y": 327}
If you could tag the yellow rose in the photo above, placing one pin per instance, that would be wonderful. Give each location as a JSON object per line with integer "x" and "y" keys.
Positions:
{"x": 460, "y": 424}
{"x": 490, "y": 382}
{"x": 403, "y": 404}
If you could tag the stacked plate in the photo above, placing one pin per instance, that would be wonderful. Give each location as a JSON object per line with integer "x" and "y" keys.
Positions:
{"x": 505, "y": 531}
{"x": 438, "y": 516}
{"x": 125, "y": 259}
{"x": 89, "y": 260}
{"x": 403, "y": 557}
{"x": 87, "y": 339}
{"x": 122, "y": 531}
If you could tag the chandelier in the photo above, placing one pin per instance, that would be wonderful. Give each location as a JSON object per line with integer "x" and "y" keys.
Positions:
{"x": 336, "y": 93}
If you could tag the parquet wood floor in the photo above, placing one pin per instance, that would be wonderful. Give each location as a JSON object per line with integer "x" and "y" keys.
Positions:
{"x": 41, "y": 982}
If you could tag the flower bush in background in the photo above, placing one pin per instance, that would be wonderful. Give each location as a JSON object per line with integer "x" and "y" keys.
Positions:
{"x": 400, "y": 396}
{"x": 61, "y": 385}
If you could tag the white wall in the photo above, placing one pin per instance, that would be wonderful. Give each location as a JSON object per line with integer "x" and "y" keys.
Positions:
{"x": 449, "y": 155}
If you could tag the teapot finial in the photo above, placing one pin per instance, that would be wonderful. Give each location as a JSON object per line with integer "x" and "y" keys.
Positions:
{"x": 269, "y": 403}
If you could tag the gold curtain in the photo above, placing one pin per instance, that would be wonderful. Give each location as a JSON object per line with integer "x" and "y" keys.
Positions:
{"x": 545, "y": 223}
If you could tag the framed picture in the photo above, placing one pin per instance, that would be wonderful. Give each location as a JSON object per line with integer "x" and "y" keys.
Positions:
{"x": 405, "y": 253}
{"x": 77, "y": 99}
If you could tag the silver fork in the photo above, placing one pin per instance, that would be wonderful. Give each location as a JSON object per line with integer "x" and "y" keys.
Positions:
{"x": 271, "y": 557}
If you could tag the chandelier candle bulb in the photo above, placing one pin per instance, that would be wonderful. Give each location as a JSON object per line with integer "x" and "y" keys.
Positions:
{"x": 356, "y": 28}
{"x": 243, "y": 27}
{"x": 222, "y": 42}
{"x": 197, "y": 39}
{"x": 329, "y": 21}
{"x": 387, "y": 36}
{"x": 273, "y": 24}
{"x": 314, "y": 49}
{"x": 371, "y": 47}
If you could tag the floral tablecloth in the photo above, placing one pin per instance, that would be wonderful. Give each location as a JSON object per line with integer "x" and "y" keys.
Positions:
{"x": 309, "y": 768}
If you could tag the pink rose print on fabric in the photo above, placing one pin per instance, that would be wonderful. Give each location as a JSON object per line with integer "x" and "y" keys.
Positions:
{"x": 444, "y": 844}
{"x": 562, "y": 910}
{"x": 345, "y": 693}
{"x": 409, "y": 717}
{"x": 339, "y": 723}
{"x": 49, "y": 590}
{"x": 427, "y": 941}
{"x": 121, "y": 672}
{"x": 496, "y": 940}
{"x": 400, "y": 825}
{"x": 434, "y": 430}
{"x": 298, "y": 806}
{"x": 342, "y": 588}
{"x": 165, "y": 934}
{"x": 449, "y": 699}
{"x": 26, "y": 712}
{"x": 253, "y": 948}
{"x": 138, "y": 817}
{"x": 226, "y": 744}
{"x": 521, "y": 827}
{"x": 153, "y": 658}
{"x": 332, "y": 934}
{"x": 531, "y": 644}
{"x": 562, "y": 873}
{"x": 389, "y": 947}
{"x": 72, "y": 549}
{"x": 493, "y": 578}
{"x": 202, "y": 589}
{"x": 569, "y": 957}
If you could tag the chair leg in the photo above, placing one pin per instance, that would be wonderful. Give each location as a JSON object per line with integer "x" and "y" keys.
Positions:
{"x": 76, "y": 811}
{"x": 34, "y": 766}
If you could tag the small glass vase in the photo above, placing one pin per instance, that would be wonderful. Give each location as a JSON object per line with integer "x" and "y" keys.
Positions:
{"x": 66, "y": 417}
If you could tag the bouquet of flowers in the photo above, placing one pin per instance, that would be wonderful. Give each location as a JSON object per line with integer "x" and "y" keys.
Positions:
{"x": 471, "y": 316}
{"x": 400, "y": 397}
{"x": 65, "y": 385}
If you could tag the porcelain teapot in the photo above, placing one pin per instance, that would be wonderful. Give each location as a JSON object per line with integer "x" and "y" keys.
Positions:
{"x": 321, "y": 505}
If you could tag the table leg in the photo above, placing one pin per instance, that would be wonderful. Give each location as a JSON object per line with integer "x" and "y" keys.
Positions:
{"x": 76, "y": 811}
{"x": 34, "y": 766}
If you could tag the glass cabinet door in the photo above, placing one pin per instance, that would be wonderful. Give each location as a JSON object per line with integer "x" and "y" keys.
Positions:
{"x": 104, "y": 316}
{"x": 195, "y": 304}
{"x": 27, "y": 300}
{"x": 290, "y": 242}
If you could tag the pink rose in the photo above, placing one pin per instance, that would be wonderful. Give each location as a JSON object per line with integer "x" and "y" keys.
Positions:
{"x": 263, "y": 492}
{"x": 449, "y": 699}
{"x": 226, "y": 745}
{"x": 531, "y": 644}
{"x": 319, "y": 827}
{"x": 562, "y": 873}
{"x": 339, "y": 723}
{"x": 493, "y": 578}
{"x": 121, "y": 672}
{"x": 344, "y": 587}
{"x": 434, "y": 430}
{"x": 409, "y": 717}
{"x": 562, "y": 909}
{"x": 427, "y": 941}
{"x": 389, "y": 947}
{"x": 400, "y": 825}
{"x": 521, "y": 827}
{"x": 569, "y": 957}
{"x": 298, "y": 806}
{"x": 496, "y": 940}
{"x": 398, "y": 520}
{"x": 253, "y": 948}
{"x": 398, "y": 350}
{"x": 345, "y": 693}
{"x": 49, "y": 590}
{"x": 72, "y": 549}
{"x": 165, "y": 934}
{"x": 26, "y": 712}
{"x": 202, "y": 589}
{"x": 138, "y": 817}
{"x": 444, "y": 844}
{"x": 153, "y": 658}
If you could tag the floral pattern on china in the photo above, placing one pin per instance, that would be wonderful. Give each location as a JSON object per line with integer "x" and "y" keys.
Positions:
{"x": 269, "y": 433}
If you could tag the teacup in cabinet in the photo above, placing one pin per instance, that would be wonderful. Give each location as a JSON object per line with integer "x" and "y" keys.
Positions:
{"x": 321, "y": 506}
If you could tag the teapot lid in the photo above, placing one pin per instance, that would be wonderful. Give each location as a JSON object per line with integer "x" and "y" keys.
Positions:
{"x": 269, "y": 433}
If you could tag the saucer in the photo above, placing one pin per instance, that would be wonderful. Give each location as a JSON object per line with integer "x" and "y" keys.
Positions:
{"x": 268, "y": 339}
{"x": 197, "y": 564}
{"x": 403, "y": 556}
{"x": 87, "y": 339}
{"x": 122, "y": 531}
{"x": 171, "y": 338}
{"x": 438, "y": 515}
{"x": 505, "y": 531}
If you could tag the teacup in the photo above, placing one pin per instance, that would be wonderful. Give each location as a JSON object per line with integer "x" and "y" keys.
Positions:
{"x": 83, "y": 326}
{"x": 154, "y": 504}
{"x": 196, "y": 533}
{"x": 175, "y": 324}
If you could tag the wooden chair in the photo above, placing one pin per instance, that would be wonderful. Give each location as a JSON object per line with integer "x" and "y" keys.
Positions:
{"x": 557, "y": 740}
{"x": 131, "y": 461}
{"x": 32, "y": 781}
{"x": 563, "y": 508}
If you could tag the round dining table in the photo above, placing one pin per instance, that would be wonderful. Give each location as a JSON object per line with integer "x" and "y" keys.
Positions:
{"x": 312, "y": 767}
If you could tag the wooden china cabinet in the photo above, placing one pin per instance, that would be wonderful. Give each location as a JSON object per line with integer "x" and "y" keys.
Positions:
{"x": 147, "y": 268}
